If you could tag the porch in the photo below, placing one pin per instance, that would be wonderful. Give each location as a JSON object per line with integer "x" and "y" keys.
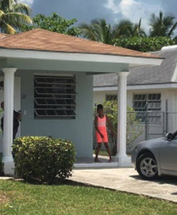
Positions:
{"x": 85, "y": 162}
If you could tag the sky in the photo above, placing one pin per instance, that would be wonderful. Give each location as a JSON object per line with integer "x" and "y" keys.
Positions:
{"x": 110, "y": 10}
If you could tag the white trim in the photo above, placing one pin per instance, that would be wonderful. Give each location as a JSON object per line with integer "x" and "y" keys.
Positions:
{"x": 106, "y": 58}
{"x": 140, "y": 87}
{"x": 95, "y": 165}
{"x": 98, "y": 89}
{"x": 173, "y": 79}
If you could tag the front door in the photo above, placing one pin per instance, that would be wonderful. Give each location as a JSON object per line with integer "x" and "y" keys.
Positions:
{"x": 17, "y": 101}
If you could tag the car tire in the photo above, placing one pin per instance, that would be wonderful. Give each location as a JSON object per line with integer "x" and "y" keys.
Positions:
{"x": 147, "y": 166}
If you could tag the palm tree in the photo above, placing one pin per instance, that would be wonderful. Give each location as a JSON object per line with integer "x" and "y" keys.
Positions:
{"x": 162, "y": 25}
{"x": 13, "y": 15}
{"x": 98, "y": 30}
{"x": 138, "y": 30}
{"x": 125, "y": 28}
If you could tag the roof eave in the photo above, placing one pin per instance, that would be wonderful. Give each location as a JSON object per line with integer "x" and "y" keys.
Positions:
{"x": 137, "y": 87}
{"x": 87, "y": 57}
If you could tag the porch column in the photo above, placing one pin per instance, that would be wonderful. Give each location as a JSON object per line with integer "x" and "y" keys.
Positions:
{"x": 8, "y": 119}
{"x": 123, "y": 159}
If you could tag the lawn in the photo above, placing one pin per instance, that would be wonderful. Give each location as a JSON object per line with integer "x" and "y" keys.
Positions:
{"x": 69, "y": 198}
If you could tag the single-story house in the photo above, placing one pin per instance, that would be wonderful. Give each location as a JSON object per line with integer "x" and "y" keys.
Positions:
{"x": 49, "y": 78}
{"x": 151, "y": 89}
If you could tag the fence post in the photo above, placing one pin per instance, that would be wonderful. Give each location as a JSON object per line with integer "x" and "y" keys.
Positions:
{"x": 166, "y": 110}
{"x": 146, "y": 126}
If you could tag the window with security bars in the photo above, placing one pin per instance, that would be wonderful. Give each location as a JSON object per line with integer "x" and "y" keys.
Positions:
{"x": 111, "y": 97}
{"x": 148, "y": 107}
{"x": 54, "y": 97}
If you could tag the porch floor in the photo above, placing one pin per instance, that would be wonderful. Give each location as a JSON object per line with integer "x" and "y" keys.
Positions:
{"x": 86, "y": 162}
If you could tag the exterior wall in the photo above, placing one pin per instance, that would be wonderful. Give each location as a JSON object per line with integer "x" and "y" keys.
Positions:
{"x": 100, "y": 96}
{"x": 168, "y": 103}
{"x": 78, "y": 130}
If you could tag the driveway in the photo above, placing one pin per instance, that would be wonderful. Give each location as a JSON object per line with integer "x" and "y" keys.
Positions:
{"x": 127, "y": 180}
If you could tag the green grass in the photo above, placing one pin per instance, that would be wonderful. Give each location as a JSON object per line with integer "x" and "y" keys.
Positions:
{"x": 18, "y": 198}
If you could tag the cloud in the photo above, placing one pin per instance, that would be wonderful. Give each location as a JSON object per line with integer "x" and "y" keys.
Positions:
{"x": 29, "y": 2}
{"x": 110, "y": 10}
{"x": 119, "y": 6}
{"x": 134, "y": 10}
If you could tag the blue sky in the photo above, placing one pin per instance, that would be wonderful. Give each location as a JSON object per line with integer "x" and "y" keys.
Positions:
{"x": 111, "y": 10}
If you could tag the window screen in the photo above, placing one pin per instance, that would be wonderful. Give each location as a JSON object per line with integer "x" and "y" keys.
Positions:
{"x": 148, "y": 106}
{"x": 54, "y": 97}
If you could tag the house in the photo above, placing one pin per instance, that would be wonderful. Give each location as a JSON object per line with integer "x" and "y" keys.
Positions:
{"x": 49, "y": 78}
{"x": 150, "y": 89}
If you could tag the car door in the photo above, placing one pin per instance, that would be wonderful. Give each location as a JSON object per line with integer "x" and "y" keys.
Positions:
{"x": 168, "y": 155}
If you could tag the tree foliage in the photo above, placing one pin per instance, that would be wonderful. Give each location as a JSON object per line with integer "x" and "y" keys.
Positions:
{"x": 99, "y": 30}
{"x": 162, "y": 25}
{"x": 134, "y": 128}
{"x": 126, "y": 28}
{"x": 54, "y": 23}
{"x": 13, "y": 15}
{"x": 144, "y": 44}
{"x": 1, "y": 166}
{"x": 131, "y": 35}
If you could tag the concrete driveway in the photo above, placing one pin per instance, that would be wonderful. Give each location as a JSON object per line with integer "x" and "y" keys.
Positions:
{"x": 127, "y": 180}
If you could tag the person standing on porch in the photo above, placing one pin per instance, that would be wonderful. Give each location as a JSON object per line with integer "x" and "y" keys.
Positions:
{"x": 101, "y": 122}
{"x": 16, "y": 119}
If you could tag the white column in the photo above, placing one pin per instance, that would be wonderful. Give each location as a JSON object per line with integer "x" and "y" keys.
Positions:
{"x": 8, "y": 119}
{"x": 123, "y": 159}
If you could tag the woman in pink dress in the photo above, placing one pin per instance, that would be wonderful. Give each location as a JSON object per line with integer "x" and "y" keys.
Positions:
{"x": 101, "y": 121}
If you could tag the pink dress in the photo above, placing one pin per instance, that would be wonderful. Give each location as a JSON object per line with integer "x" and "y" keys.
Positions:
{"x": 101, "y": 125}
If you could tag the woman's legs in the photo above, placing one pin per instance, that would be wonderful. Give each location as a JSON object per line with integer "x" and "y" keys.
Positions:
{"x": 108, "y": 150}
{"x": 97, "y": 150}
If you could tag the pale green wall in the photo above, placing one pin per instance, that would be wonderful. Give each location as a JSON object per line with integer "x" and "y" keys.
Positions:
{"x": 79, "y": 130}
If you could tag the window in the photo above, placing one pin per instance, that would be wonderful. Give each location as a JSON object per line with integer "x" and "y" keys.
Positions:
{"x": 111, "y": 97}
{"x": 148, "y": 105}
{"x": 54, "y": 97}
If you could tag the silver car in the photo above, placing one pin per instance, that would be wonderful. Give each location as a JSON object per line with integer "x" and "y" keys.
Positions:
{"x": 156, "y": 157}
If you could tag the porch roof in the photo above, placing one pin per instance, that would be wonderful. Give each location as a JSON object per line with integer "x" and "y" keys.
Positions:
{"x": 39, "y": 39}
{"x": 43, "y": 44}
{"x": 43, "y": 40}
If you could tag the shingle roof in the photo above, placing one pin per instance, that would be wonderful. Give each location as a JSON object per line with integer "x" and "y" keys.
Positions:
{"x": 146, "y": 74}
{"x": 42, "y": 40}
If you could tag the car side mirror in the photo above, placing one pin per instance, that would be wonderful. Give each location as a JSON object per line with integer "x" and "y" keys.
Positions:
{"x": 169, "y": 136}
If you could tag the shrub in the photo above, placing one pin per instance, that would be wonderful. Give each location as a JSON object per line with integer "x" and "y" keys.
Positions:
{"x": 133, "y": 124}
{"x": 1, "y": 166}
{"x": 43, "y": 159}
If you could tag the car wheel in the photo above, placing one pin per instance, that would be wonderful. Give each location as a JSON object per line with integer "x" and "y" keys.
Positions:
{"x": 147, "y": 166}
